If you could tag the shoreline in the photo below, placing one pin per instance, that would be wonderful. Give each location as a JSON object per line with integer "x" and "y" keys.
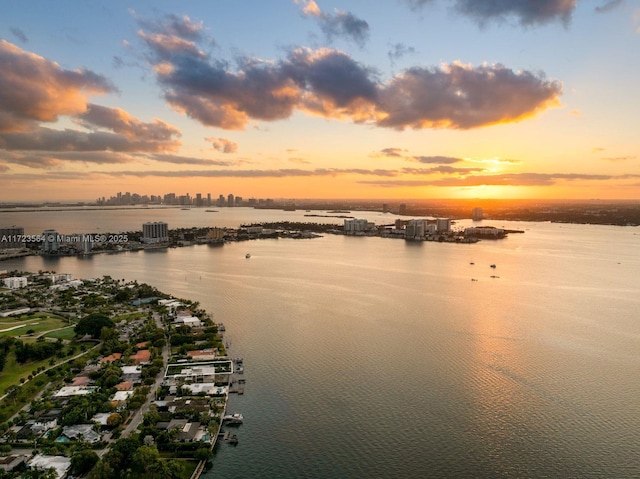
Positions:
{"x": 157, "y": 323}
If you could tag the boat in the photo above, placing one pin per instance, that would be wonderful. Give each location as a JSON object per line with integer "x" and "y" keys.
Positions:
{"x": 233, "y": 440}
{"x": 231, "y": 419}
{"x": 248, "y": 255}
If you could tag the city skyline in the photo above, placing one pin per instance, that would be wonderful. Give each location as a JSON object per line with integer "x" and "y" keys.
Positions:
{"x": 303, "y": 99}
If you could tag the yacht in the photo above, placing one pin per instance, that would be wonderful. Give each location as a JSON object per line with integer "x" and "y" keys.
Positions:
{"x": 230, "y": 419}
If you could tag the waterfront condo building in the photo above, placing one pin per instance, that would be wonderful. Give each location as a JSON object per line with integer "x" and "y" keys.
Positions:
{"x": 50, "y": 241}
{"x": 357, "y": 226}
{"x": 156, "y": 232}
{"x": 443, "y": 225}
{"x": 11, "y": 237}
{"x": 415, "y": 230}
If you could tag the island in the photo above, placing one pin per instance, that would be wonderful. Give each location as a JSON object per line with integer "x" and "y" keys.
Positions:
{"x": 108, "y": 378}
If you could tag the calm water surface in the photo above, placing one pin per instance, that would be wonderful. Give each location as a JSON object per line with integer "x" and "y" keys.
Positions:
{"x": 369, "y": 357}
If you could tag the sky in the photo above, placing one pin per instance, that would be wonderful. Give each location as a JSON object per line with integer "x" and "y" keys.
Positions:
{"x": 301, "y": 99}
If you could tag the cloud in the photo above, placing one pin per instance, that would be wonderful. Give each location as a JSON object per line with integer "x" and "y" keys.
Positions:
{"x": 19, "y": 34}
{"x": 391, "y": 153}
{"x": 513, "y": 179}
{"x": 331, "y": 84}
{"x": 122, "y": 123}
{"x": 186, "y": 160}
{"x": 339, "y": 25}
{"x": 47, "y": 139}
{"x": 399, "y": 50}
{"x": 279, "y": 173}
{"x": 33, "y": 161}
{"x": 4, "y": 168}
{"x": 462, "y": 96}
{"x": 442, "y": 160}
{"x": 608, "y": 6}
{"x": 526, "y": 12}
{"x": 46, "y": 160}
{"x": 224, "y": 145}
{"x": 173, "y": 25}
{"x": 35, "y": 89}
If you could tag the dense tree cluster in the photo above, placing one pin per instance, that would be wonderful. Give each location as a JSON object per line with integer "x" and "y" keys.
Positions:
{"x": 129, "y": 457}
{"x": 93, "y": 324}
{"x": 36, "y": 351}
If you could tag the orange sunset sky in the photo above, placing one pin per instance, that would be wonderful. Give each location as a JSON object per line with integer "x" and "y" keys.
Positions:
{"x": 305, "y": 99}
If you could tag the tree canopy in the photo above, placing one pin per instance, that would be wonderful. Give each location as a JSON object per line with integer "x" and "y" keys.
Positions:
{"x": 93, "y": 324}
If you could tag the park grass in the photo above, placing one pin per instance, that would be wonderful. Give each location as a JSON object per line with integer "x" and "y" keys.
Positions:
{"x": 39, "y": 325}
{"x": 66, "y": 333}
{"x": 13, "y": 371}
{"x": 128, "y": 317}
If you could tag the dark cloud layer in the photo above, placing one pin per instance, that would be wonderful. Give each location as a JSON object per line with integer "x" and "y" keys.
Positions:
{"x": 19, "y": 34}
{"x": 439, "y": 160}
{"x": 48, "y": 139}
{"x": 330, "y": 83}
{"x": 462, "y": 96}
{"x": 608, "y": 6}
{"x": 341, "y": 24}
{"x": 526, "y": 12}
{"x": 46, "y": 160}
{"x": 399, "y": 50}
{"x": 185, "y": 160}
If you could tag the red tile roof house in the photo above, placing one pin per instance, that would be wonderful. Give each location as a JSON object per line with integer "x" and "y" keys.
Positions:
{"x": 111, "y": 358}
{"x": 141, "y": 357}
{"x": 124, "y": 386}
{"x": 202, "y": 355}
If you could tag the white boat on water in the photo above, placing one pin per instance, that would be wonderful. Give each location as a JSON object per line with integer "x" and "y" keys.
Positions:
{"x": 235, "y": 418}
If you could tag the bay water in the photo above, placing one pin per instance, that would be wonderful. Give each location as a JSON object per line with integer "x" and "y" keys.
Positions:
{"x": 371, "y": 357}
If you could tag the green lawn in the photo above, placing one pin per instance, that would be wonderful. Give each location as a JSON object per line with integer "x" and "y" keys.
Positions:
{"x": 127, "y": 317}
{"x": 13, "y": 371}
{"x": 39, "y": 325}
{"x": 66, "y": 333}
{"x": 189, "y": 466}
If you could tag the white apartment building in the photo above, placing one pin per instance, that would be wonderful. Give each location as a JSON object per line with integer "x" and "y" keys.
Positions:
{"x": 15, "y": 282}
